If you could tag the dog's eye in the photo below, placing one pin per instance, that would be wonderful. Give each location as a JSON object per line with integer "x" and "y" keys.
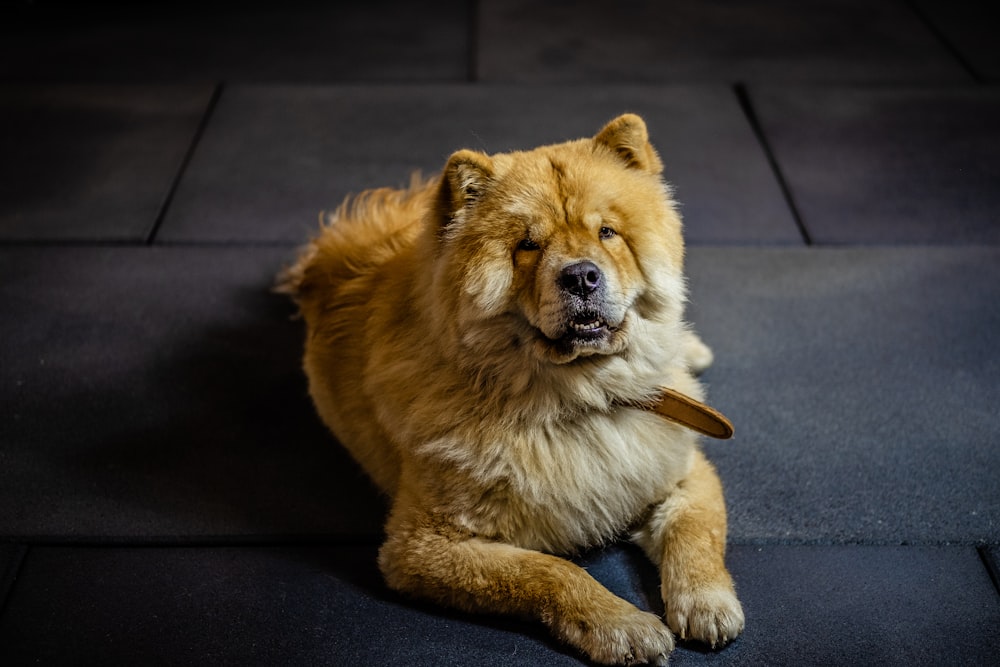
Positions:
{"x": 527, "y": 244}
{"x": 606, "y": 233}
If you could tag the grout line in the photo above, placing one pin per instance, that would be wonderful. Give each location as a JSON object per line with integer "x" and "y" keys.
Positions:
{"x": 368, "y": 538}
{"x": 8, "y": 576}
{"x": 751, "y": 115}
{"x": 232, "y": 243}
{"x": 140, "y": 243}
{"x": 992, "y": 567}
{"x": 945, "y": 42}
{"x": 73, "y": 242}
{"x": 175, "y": 184}
{"x": 197, "y": 542}
{"x": 832, "y": 542}
{"x": 472, "y": 57}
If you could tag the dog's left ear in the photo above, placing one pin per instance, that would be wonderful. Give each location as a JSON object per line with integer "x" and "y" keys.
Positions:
{"x": 626, "y": 137}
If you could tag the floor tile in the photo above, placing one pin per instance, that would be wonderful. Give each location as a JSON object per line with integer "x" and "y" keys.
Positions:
{"x": 298, "y": 41}
{"x": 889, "y": 165}
{"x": 91, "y": 162}
{"x": 242, "y": 606}
{"x": 970, "y": 27}
{"x": 273, "y": 157}
{"x": 694, "y": 40}
{"x": 853, "y": 605}
{"x": 804, "y": 605}
{"x": 862, "y": 386}
{"x": 157, "y": 393}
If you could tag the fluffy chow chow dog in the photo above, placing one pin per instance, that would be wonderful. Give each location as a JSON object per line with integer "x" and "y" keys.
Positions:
{"x": 487, "y": 345}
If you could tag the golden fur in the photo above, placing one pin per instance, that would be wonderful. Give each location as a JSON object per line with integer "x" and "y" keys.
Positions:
{"x": 479, "y": 343}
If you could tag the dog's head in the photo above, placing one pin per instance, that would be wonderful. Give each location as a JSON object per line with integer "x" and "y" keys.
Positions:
{"x": 565, "y": 248}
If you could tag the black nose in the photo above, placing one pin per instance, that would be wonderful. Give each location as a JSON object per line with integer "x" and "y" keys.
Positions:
{"x": 581, "y": 278}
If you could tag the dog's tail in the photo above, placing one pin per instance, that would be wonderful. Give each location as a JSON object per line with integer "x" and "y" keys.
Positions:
{"x": 361, "y": 233}
{"x": 291, "y": 279}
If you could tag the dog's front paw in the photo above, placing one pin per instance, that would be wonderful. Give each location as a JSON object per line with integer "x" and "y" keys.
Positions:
{"x": 710, "y": 614}
{"x": 624, "y": 636}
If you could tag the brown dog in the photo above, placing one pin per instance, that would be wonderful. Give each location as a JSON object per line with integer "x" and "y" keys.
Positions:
{"x": 483, "y": 344}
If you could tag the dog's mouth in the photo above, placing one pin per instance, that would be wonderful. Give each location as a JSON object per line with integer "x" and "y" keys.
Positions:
{"x": 587, "y": 327}
{"x": 583, "y": 334}
{"x": 579, "y": 330}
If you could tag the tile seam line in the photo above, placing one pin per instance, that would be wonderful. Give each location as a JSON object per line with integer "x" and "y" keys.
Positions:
{"x": 201, "y": 541}
{"x": 944, "y": 41}
{"x": 10, "y": 574}
{"x": 361, "y": 539}
{"x": 991, "y": 567}
{"x": 211, "y": 244}
{"x": 182, "y": 168}
{"x": 746, "y": 105}
{"x": 472, "y": 54}
{"x": 974, "y": 543}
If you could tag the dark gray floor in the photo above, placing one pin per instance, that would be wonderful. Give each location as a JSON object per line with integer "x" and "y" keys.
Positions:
{"x": 865, "y": 382}
{"x": 272, "y": 156}
{"x": 155, "y": 392}
{"x": 169, "y": 496}
{"x": 92, "y": 162}
{"x": 326, "y": 605}
{"x": 900, "y": 165}
{"x": 710, "y": 40}
{"x": 221, "y": 40}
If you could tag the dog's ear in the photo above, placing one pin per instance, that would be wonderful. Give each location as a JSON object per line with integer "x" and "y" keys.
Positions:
{"x": 626, "y": 137}
{"x": 465, "y": 178}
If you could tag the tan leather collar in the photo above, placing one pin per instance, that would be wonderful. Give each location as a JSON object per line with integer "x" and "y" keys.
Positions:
{"x": 695, "y": 415}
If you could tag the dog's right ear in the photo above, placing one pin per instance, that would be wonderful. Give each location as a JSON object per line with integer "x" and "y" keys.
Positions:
{"x": 466, "y": 177}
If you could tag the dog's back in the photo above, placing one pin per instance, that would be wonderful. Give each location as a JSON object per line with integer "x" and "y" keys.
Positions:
{"x": 332, "y": 282}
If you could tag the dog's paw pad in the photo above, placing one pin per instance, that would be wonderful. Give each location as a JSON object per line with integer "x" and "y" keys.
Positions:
{"x": 710, "y": 615}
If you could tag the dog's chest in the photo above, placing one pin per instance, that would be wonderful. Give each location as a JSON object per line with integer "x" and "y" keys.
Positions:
{"x": 570, "y": 485}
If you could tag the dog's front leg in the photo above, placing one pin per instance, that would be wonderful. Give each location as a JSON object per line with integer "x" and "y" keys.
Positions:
{"x": 685, "y": 536}
{"x": 427, "y": 556}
